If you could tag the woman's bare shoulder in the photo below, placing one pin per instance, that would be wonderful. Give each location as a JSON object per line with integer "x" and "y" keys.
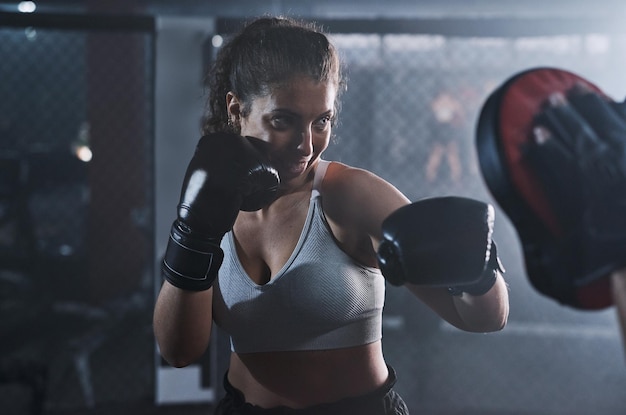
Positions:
{"x": 356, "y": 195}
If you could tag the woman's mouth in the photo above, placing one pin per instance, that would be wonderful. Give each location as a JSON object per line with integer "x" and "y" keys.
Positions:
{"x": 296, "y": 167}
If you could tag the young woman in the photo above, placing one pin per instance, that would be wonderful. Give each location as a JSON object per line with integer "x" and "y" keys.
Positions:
{"x": 300, "y": 289}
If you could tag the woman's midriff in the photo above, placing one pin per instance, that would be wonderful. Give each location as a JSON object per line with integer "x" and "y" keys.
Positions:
{"x": 300, "y": 379}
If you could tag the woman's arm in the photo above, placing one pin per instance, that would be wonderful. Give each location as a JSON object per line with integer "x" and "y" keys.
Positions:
{"x": 357, "y": 202}
{"x": 182, "y": 323}
{"x": 618, "y": 287}
{"x": 481, "y": 314}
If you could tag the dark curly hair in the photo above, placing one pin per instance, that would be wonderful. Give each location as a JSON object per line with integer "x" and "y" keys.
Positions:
{"x": 268, "y": 52}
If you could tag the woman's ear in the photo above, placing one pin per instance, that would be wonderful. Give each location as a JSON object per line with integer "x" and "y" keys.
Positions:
{"x": 234, "y": 107}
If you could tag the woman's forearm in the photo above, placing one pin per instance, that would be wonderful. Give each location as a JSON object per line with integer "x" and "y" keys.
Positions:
{"x": 485, "y": 313}
{"x": 182, "y": 324}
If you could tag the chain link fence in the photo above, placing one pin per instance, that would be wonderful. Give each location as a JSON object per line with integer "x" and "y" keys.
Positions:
{"x": 76, "y": 214}
{"x": 412, "y": 102}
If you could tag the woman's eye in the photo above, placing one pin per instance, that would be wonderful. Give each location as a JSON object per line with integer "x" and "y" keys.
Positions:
{"x": 281, "y": 122}
{"x": 323, "y": 123}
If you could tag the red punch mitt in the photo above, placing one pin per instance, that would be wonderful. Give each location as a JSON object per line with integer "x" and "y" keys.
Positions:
{"x": 552, "y": 150}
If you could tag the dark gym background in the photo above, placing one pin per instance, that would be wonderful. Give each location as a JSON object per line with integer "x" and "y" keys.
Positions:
{"x": 80, "y": 240}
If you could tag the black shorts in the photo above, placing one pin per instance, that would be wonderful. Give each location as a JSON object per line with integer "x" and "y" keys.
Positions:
{"x": 383, "y": 401}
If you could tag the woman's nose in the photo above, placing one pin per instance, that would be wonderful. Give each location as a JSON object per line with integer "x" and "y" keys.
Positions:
{"x": 305, "y": 143}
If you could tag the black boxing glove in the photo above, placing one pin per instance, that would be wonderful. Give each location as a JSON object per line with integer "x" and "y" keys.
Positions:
{"x": 226, "y": 174}
{"x": 441, "y": 242}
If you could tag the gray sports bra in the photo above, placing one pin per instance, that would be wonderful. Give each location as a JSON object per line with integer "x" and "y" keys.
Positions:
{"x": 320, "y": 299}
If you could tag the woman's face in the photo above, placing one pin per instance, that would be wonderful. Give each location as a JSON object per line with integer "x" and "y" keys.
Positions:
{"x": 295, "y": 120}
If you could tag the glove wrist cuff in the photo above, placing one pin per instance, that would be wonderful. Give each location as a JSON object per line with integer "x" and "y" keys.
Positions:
{"x": 191, "y": 263}
{"x": 487, "y": 279}
{"x": 484, "y": 284}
